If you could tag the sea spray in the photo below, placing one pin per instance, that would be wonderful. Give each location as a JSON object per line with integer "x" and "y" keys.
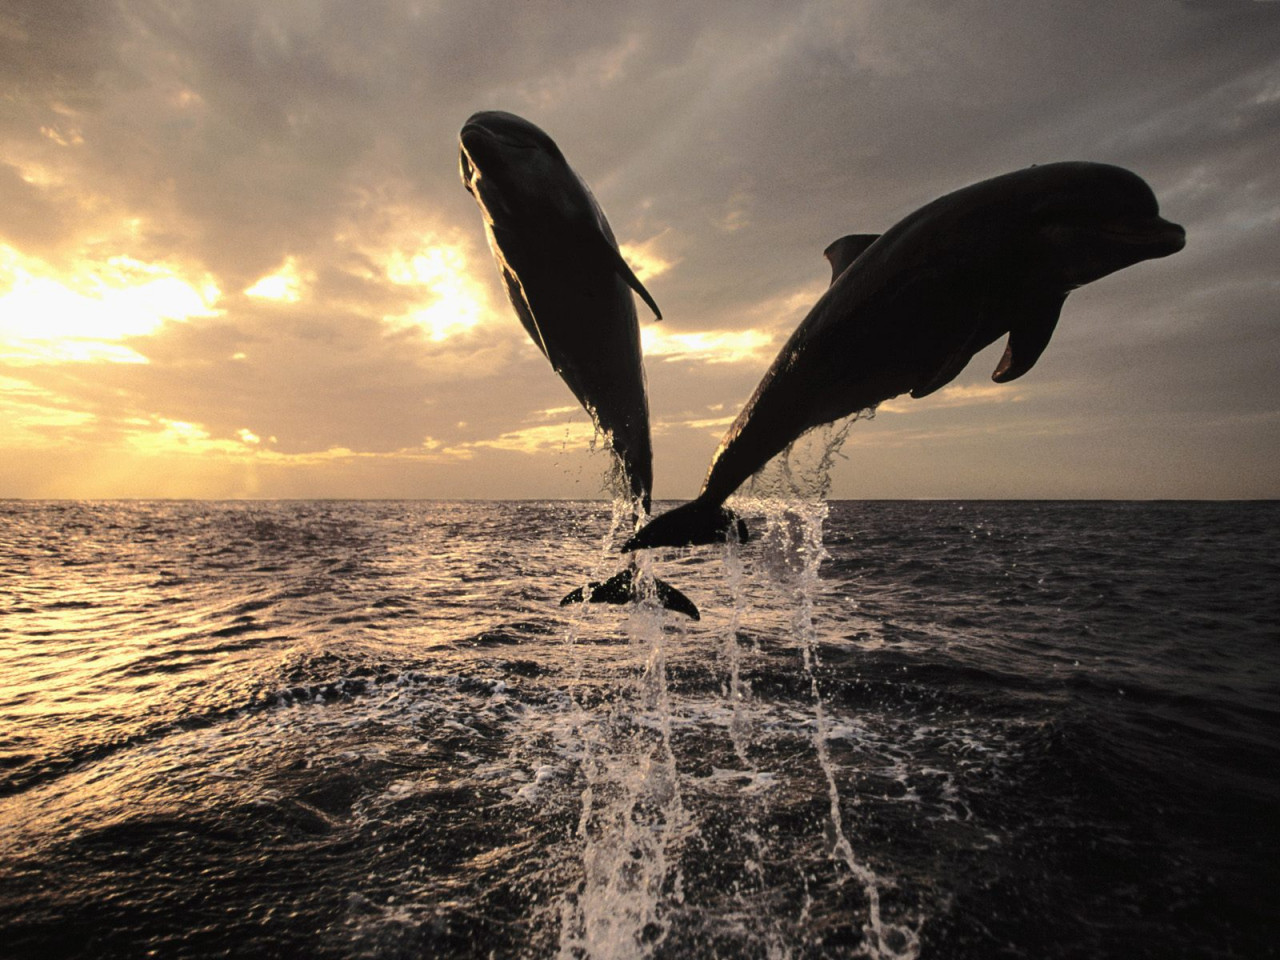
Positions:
{"x": 797, "y": 536}
{"x": 632, "y": 818}
{"x": 633, "y": 821}
{"x": 737, "y": 690}
{"x": 758, "y": 924}
{"x": 790, "y": 493}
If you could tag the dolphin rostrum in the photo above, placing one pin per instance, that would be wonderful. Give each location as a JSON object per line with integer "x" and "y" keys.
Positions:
{"x": 572, "y": 292}
{"x": 907, "y": 310}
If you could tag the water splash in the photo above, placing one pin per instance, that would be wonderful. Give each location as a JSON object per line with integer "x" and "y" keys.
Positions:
{"x": 790, "y": 492}
{"x": 756, "y": 926}
{"x": 803, "y": 470}
{"x": 632, "y": 819}
{"x": 738, "y": 690}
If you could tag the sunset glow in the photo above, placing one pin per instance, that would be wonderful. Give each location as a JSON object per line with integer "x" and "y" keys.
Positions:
{"x": 450, "y": 300}
{"x": 721, "y": 346}
{"x": 284, "y": 285}
{"x": 645, "y": 260}
{"x": 79, "y": 316}
{"x": 528, "y": 479}
{"x": 236, "y": 257}
{"x": 544, "y": 437}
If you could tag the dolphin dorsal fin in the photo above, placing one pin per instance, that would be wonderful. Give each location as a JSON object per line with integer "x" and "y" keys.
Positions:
{"x": 1028, "y": 336}
{"x": 844, "y": 251}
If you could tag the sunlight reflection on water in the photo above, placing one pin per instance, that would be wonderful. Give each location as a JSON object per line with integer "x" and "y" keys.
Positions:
{"x": 369, "y": 729}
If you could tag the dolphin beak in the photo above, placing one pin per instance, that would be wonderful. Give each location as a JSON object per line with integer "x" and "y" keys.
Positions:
{"x": 475, "y": 139}
{"x": 1156, "y": 236}
{"x": 1170, "y": 237}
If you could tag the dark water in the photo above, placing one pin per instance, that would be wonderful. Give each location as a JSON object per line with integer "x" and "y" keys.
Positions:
{"x": 326, "y": 729}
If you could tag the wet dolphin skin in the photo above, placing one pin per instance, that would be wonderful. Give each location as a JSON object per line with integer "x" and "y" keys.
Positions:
{"x": 907, "y": 310}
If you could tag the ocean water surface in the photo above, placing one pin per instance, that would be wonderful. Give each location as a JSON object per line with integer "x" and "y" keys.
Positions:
{"x": 900, "y": 729}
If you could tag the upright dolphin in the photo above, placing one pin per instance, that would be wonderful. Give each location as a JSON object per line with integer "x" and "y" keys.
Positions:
{"x": 571, "y": 290}
{"x": 565, "y": 277}
{"x": 906, "y": 311}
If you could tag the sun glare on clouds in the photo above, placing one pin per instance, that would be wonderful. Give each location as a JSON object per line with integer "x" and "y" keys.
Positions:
{"x": 710, "y": 346}
{"x": 284, "y": 285}
{"x": 452, "y": 302}
{"x": 644, "y": 259}
{"x": 32, "y": 418}
{"x": 568, "y": 435}
{"x": 955, "y": 395}
{"x": 49, "y": 316}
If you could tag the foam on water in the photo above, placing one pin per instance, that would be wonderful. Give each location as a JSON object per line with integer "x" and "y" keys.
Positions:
{"x": 923, "y": 752}
{"x": 632, "y": 816}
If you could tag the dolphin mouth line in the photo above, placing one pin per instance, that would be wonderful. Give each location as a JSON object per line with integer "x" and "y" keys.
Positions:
{"x": 1146, "y": 233}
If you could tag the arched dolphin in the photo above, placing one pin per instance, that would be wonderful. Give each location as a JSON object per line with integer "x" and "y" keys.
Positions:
{"x": 906, "y": 311}
{"x": 572, "y": 291}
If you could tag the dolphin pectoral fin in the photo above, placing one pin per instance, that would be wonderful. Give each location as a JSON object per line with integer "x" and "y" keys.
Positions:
{"x": 621, "y": 589}
{"x": 948, "y": 371}
{"x": 951, "y": 364}
{"x": 1028, "y": 337}
{"x": 623, "y": 270}
{"x": 524, "y": 313}
{"x": 840, "y": 253}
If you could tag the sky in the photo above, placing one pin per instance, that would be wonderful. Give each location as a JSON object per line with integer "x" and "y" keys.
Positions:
{"x": 237, "y": 260}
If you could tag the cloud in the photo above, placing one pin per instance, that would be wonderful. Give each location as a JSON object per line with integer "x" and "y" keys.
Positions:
{"x": 716, "y": 346}
{"x": 300, "y": 160}
{"x": 537, "y": 439}
{"x": 46, "y": 317}
{"x": 955, "y": 395}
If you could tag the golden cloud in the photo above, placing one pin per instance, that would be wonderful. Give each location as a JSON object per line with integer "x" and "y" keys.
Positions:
{"x": 77, "y": 314}
{"x": 451, "y": 300}
{"x": 538, "y": 439}
{"x": 285, "y": 285}
{"x": 645, "y": 260}
{"x": 708, "y": 346}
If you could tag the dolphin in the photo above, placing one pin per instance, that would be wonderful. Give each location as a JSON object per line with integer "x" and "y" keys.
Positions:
{"x": 566, "y": 279}
{"x": 907, "y": 310}
{"x": 572, "y": 292}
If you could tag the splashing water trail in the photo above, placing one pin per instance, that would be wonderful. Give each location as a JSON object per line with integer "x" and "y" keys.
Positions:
{"x": 632, "y": 816}
{"x": 738, "y": 690}
{"x": 756, "y": 926}
{"x": 790, "y": 493}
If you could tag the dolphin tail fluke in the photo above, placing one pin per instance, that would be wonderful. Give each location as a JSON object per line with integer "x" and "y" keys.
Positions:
{"x": 621, "y": 588}
{"x": 673, "y": 599}
{"x": 695, "y": 522}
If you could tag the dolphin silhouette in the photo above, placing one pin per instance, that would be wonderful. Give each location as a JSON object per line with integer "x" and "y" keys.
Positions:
{"x": 907, "y": 310}
{"x": 572, "y": 291}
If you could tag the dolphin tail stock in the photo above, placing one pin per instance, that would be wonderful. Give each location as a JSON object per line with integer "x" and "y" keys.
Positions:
{"x": 690, "y": 524}
{"x": 621, "y": 588}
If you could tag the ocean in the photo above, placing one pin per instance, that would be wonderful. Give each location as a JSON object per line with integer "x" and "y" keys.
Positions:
{"x": 934, "y": 729}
